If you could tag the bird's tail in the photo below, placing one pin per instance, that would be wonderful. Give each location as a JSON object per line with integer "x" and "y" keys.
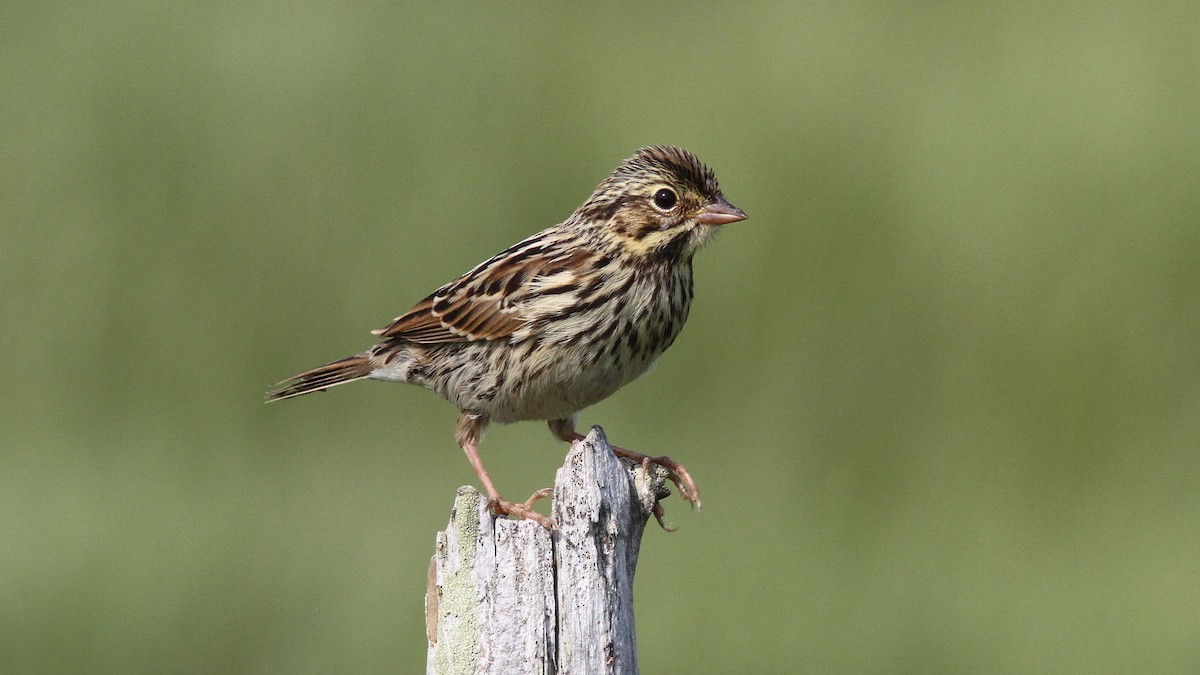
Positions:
{"x": 338, "y": 372}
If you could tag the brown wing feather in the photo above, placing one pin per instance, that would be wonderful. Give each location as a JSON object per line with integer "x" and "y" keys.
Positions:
{"x": 459, "y": 317}
{"x": 488, "y": 302}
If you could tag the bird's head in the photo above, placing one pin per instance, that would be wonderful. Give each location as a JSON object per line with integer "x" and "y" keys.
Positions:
{"x": 660, "y": 205}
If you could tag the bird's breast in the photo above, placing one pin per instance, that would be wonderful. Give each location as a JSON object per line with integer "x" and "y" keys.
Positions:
{"x": 583, "y": 357}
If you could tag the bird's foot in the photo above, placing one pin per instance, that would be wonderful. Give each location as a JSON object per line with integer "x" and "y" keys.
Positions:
{"x": 677, "y": 472}
{"x": 564, "y": 429}
{"x": 503, "y": 507}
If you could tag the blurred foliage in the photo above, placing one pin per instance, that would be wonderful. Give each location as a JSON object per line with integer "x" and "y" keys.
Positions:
{"x": 940, "y": 390}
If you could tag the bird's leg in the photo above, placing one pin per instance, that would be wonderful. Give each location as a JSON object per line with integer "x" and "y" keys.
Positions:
{"x": 469, "y": 430}
{"x": 564, "y": 429}
{"x": 498, "y": 504}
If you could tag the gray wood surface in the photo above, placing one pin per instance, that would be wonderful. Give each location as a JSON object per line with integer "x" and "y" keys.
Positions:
{"x": 509, "y": 596}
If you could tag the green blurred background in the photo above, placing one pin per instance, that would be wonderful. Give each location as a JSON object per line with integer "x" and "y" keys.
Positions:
{"x": 940, "y": 390}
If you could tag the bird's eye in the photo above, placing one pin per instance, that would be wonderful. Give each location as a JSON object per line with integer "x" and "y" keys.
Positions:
{"x": 665, "y": 199}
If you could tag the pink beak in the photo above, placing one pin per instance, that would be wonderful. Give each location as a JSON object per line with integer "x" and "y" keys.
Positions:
{"x": 720, "y": 212}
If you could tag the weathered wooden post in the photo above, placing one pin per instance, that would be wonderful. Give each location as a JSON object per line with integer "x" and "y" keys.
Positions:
{"x": 509, "y": 596}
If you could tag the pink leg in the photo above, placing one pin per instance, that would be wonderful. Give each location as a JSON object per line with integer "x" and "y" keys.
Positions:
{"x": 502, "y": 506}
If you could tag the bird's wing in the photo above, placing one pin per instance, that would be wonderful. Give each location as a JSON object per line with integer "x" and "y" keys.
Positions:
{"x": 495, "y": 299}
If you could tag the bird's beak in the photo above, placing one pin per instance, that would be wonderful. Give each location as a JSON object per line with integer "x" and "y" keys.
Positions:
{"x": 720, "y": 212}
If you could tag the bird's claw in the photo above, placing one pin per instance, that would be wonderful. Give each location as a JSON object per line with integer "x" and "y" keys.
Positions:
{"x": 658, "y": 515}
{"x": 678, "y": 474}
{"x": 503, "y": 507}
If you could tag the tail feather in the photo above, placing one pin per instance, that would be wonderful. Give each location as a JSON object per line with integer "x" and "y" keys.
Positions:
{"x": 332, "y": 374}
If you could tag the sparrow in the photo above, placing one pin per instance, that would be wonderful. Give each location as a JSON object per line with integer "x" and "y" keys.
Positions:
{"x": 559, "y": 321}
